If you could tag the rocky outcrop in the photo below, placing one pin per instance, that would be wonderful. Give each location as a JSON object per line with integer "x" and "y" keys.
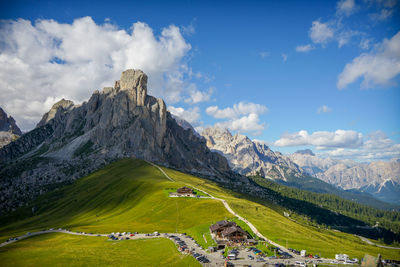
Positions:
{"x": 9, "y": 131}
{"x": 60, "y": 105}
{"x": 381, "y": 179}
{"x": 117, "y": 122}
{"x": 250, "y": 157}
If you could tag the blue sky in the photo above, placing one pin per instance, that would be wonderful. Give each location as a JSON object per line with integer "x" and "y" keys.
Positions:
{"x": 273, "y": 70}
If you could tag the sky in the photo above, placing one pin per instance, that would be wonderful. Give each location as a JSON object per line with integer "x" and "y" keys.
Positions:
{"x": 322, "y": 75}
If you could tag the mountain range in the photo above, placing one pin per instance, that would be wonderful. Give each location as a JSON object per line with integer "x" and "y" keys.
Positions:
{"x": 122, "y": 121}
{"x": 71, "y": 141}
{"x": 380, "y": 179}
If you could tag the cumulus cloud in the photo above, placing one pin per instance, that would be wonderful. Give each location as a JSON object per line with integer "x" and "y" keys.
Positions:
{"x": 379, "y": 67}
{"x": 377, "y": 146}
{"x": 242, "y": 108}
{"x": 346, "y": 7}
{"x": 344, "y": 144}
{"x": 242, "y": 117}
{"x": 304, "y": 48}
{"x": 321, "y": 33}
{"x": 324, "y": 109}
{"x": 191, "y": 115}
{"x": 44, "y": 61}
{"x": 196, "y": 96}
{"x": 284, "y": 57}
{"x": 322, "y": 139}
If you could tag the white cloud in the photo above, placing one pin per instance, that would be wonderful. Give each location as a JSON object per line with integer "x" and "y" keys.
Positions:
{"x": 365, "y": 43}
{"x": 196, "y": 96}
{"x": 304, "y": 48}
{"x": 346, "y": 7}
{"x": 324, "y": 109}
{"x": 284, "y": 57}
{"x": 385, "y": 9}
{"x": 264, "y": 54}
{"x": 377, "y": 146}
{"x": 191, "y": 115}
{"x": 242, "y": 117}
{"x": 322, "y": 139}
{"x": 249, "y": 123}
{"x": 242, "y": 108}
{"x": 45, "y": 61}
{"x": 321, "y": 33}
{"x": 379, "y": 67}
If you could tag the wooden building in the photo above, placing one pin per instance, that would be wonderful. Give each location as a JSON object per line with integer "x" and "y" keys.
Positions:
{"x": 185, "y": 190}
{"x": 226, "y": 231}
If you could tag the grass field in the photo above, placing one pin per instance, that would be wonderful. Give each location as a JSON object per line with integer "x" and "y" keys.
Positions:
{"x": 282, "y": 230}
{"x": 58, "y": 249}
{"x": 130, "y": 195}
{"x": 125, "y": 196}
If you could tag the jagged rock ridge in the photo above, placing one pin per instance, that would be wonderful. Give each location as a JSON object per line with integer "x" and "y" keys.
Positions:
{"x": 9, "y": 131}
{"x": 250, "y": 157}
{"x": 117, "y": 122}
{"x": 381, "y": 179}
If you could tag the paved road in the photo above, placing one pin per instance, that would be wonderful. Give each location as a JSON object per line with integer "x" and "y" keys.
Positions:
{"x": 374, "y": 244}
{"x": 228, "y": 208}
{"x": 214, "y": 257}
{"x": 46, "y": 232}
{"x": 252, "y": 227}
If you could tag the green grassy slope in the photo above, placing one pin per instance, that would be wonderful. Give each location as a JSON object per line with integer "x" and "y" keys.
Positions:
{"x": 280, "y": 229}
{"x": 57, "y": 249}
{"x": 129, "y": 195}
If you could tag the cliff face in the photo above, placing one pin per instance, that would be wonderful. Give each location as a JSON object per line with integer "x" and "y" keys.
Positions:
{"x": 250, "y": 157}
{"x": 117, "y": 122}
{"x": 381, "y": 179}
{"x": 9, "y": 130}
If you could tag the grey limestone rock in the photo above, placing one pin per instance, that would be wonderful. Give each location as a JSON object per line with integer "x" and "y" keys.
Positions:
{"x": 117, "y": 122}
{"x": 250, "y": 157}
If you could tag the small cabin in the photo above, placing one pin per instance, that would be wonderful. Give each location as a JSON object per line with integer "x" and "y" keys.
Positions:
{"x": 185, "y": 190}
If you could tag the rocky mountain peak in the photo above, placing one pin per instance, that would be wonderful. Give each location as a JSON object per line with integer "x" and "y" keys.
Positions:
{"x": 249, "y": 157}
{"x": 7, "y": 123}
{"x": 117, "y": 122}
{"x": 134, "y": 81}
{"x": 63, "y": 104}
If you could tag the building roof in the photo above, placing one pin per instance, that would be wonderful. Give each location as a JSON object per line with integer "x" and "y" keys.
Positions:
{"x": 221, "y": 224}
{"x": 230, "y": 230}
{"x": 185, "y": 190}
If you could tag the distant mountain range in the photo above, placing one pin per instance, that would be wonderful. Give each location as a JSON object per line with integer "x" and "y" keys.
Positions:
{"x": 250, "y": 157}
{"x": 380, "y": 179}
{"x": 71, "y": 141}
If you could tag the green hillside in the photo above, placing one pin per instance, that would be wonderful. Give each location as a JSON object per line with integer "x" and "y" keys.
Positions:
{"x": 127, "y": 195}
{"x": 272, "y": 224}
{"x": 345, "y": 212}
{"x": 67, "y": 250}
{"x": 130, "y": 195}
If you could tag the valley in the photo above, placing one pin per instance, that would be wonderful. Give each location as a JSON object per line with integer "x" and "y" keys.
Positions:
{"x": 128, "y": 195}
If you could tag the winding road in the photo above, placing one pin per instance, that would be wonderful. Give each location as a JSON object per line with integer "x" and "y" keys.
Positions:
{"x": 215, "y": 256}
{"x": 229, "y": 209}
